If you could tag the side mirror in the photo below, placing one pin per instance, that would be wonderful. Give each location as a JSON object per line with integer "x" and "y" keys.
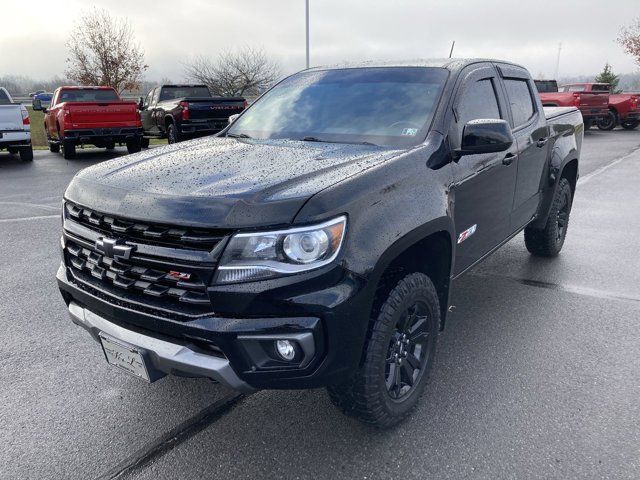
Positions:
{"x": 140, "y": 103}
{"x": 37, "y": 104}
{"x": 485, "y": 136}
{"x": 233, "y": 118}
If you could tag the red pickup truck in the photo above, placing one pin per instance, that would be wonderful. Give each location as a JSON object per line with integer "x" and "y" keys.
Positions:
{"x": 591, "y": 98}
{"x": 623, "y": 111}
{"x": 91, "y": 115}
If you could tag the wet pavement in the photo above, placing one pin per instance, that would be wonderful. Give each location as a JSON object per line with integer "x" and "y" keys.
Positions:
{"x": 537, "y": 374}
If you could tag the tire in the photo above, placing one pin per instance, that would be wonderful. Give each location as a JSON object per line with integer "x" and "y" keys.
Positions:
{"x": 110, "y": 145}
{"x": 377, "y": 393}
{"x": 144, "y": 143}
{"x": 68, "y": 149}
{"x": 549, "y": 241}
{"x": 609, "y": 122}
{"x": 12, "y": 150}
{"x": 173, "y": 136}
{"x": 133, "y": 145}
{"x": 630, "y": 125}
{"x": 26, "y": 153}
{"x": 54, "y": 147}
{"x": 588, "y": 123}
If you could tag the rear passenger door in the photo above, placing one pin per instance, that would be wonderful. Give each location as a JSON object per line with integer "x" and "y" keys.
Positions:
{"x": 484, "y": 183}
{"x": 530, "y": 131}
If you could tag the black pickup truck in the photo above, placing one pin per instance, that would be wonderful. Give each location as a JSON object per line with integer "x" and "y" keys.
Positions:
{"x": 315, "y": 240}
{"x": 179, "y": 112}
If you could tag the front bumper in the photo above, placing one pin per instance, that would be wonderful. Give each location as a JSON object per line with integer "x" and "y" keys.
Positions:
{"x": 233, "y": 347}
{"x": 11, "y": 138}
{"x": 163, "y": 357}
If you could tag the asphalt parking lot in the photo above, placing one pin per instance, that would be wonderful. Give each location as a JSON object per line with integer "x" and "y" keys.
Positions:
{"x": 537, "y": 375}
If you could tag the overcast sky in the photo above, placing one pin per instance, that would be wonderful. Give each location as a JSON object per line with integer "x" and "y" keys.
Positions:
{"x": 33, "y": 34}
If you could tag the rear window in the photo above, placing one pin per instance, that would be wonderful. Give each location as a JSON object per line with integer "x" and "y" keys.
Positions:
{"x": 171, "y": 93}
{"x": 600, "y": 88}
{"x": 4, "y": 98}
{"x": 520, "y": 99}
{"x": 573, "y": 88}
{"x": 88, "y": 95}
{"x": 546, "y": 86}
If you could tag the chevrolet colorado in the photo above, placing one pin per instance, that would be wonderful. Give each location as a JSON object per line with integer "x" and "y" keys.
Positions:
{"x": 181, "y": 112}
{"x": 15, "y": 127}
{"x": 314, "y": 241}
{"x": 90, "y": 116}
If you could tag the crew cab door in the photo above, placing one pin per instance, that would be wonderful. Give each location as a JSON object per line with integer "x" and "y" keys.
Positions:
{"x": 145, "y": 114}
{"x": 484, "y": 184}
{"x": 531, "y": 133}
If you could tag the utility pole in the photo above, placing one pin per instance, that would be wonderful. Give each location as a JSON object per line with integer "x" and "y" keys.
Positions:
{"x": 453, "y": 44}
{"x": 558, "y": 61}
{"x": 307, "y": 29}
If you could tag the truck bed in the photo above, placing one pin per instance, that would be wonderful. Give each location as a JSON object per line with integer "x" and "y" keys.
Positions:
{"x": 551, "y": 113}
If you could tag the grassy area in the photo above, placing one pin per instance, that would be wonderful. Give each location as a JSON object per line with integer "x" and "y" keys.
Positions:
{"x": 39, "y": 138}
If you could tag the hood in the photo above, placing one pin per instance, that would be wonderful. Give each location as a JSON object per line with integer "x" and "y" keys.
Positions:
{"x": 220, "y": 182}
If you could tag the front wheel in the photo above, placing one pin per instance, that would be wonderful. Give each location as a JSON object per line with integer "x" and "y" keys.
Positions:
{"x": 173, "y": 136}
{"x": 549, "y": 241}
{"x": 397, "y": 357}
{"x": 609, "y": 122}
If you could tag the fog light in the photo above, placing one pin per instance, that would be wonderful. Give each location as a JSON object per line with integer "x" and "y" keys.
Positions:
{"x": 286, "y": 349}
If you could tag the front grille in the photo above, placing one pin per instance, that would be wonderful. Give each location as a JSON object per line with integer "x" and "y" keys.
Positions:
{"x": 166, "y": 271}
{"x": 151, "y": 234}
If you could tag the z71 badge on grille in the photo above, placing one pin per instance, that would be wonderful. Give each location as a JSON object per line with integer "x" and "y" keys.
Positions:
{"x": 113, "y": 248}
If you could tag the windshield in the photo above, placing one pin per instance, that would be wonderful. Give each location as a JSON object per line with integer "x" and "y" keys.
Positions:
{"x": 390, "y": 106}
{"x": 170, "y": 93}
{"x": 88, "y": 95}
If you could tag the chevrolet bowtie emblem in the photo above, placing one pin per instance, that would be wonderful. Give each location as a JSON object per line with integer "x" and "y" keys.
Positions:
{"x": 113, "y": 248}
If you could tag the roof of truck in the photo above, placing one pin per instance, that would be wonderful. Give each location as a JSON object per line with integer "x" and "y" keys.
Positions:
{"x": 448, "y": 63}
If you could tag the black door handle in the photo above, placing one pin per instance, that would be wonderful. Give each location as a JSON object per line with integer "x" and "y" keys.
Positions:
{"x": 542, "y": 142}
{"x": 508, "y": 159}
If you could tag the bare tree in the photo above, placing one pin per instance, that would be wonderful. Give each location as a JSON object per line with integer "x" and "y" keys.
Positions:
{"x": 629, "y": 39}
{"x": 245, "y": 72}
{"x": 103, "y": 51}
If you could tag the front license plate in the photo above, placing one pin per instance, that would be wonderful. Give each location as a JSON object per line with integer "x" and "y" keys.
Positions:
{"x": 123, "y": 356}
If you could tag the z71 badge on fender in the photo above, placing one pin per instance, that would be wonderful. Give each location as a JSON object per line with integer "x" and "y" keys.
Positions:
{"x": 466, "y": 234}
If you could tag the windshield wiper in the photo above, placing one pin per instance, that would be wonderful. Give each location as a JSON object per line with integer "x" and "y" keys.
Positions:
{"x": 237, "y": 135}
{"x": 316, "y": 139}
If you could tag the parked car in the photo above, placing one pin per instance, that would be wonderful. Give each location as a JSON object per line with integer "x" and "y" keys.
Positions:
{"x": 37, "y": 92}
{"x": 591, "y": 98}
{"x": 314, "y": 241}
{"x": 623, "y": 110}
{"x": 15, "y": 127}
{"x": 43, "y": 100}
{"x": 90, "y": 116}
{"x": 179, "y": 112}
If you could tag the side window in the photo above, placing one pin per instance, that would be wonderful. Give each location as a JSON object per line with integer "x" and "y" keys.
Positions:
{"x": 520, "y": 99}
{"x": 478, "y": 101}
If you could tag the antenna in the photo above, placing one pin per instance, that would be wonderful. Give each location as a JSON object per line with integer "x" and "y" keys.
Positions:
{"x": 453, "y": 44}
{"x": 558, "y": 61}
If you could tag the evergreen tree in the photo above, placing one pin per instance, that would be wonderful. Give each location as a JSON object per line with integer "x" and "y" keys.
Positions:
{"x": 607, "y": 76}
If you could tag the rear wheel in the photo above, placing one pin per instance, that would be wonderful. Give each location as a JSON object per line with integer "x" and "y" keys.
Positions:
{"x": 173, "y": 136}
{"x": 587, "y": 123}
{"x": 26, "y": 153}
{"x": 68, "y": 149}
{"x": 144, "y": 143}
{"x": 549, "y": 241}
{"x": 630, "y": 125}
{"x": 397, "y": 358}
{"x": 54, "y": 147}
{"x": 110, "y": 145}
{"x": 609, "y": 122}
{"x": 133, "y": 145}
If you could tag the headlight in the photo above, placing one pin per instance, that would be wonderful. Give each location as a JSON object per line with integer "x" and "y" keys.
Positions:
{"x": 262, "y": 255}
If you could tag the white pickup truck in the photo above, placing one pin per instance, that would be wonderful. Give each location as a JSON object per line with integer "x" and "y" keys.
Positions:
{"x": 15, "y": 128}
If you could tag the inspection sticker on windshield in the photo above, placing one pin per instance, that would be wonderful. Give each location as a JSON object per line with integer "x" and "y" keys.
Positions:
{"x": 410, "y": 132}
